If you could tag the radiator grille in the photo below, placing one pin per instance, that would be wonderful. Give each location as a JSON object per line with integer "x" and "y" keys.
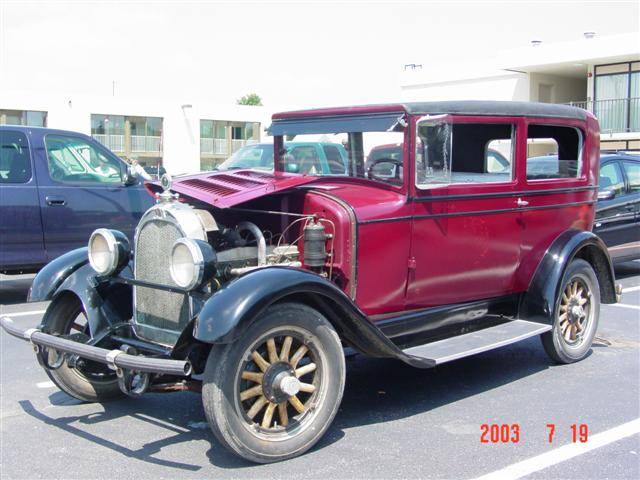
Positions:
{"x": 158, "y": 308}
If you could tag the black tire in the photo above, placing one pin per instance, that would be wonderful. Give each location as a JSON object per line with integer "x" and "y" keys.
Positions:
{"x": 92, "y": 382}
{"x": 224, "y": 380}
{"x": 568, "y": 342}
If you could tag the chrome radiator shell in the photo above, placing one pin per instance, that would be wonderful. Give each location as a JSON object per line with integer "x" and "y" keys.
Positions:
{"x": 159, "y": 315}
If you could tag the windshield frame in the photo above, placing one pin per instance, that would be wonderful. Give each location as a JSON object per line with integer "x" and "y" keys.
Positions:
{"x": 279, "y": 149}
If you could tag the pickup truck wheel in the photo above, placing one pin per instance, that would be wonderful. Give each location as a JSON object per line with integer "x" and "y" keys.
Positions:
{"x": 272, "y": 394}
{"x": 576, "y": 314}
{"x": 87, "y": 381}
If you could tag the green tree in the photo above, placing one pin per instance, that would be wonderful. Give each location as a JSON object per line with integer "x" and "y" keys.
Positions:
{"x": 250, "y": 99}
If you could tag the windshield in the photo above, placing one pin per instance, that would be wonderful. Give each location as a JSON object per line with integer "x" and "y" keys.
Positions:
{"x": 251, "y": 156}
{"x": 361, "y": 147}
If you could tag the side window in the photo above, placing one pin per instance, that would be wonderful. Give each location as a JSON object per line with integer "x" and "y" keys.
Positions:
{"x": 553, "y": 152}
{"x": 15, "y": 162}
{"x": 462, "y": 153}
{"x": 632, "y": 169}
{"x": 611, "y": 178}
{"x": 73, "y": 159}
{"x": 305, "y": 159}
{"x": 334, "y": 159}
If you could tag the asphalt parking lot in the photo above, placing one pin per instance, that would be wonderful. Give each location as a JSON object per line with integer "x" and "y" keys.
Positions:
{"x": 394, "y": 422}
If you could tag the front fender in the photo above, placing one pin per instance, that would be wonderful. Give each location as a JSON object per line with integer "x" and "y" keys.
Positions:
{"x": 234, "y": 307}
{"x": 49, "y": 279}
{"x": 538, "y": 303}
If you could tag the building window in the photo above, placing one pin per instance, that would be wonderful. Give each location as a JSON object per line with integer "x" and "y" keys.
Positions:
{"x": 617, "y": 97}
{"x": 32, "y": 118}
{"x": 220, "y": 138}
{"x": 130, "y": 137}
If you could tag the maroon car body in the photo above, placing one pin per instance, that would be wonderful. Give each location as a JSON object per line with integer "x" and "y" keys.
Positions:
{"x": 257, "y": 280}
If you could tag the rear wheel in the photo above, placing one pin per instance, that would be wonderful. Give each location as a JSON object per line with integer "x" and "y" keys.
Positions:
{"x": 576, "y": 314}
{"x": 272, "y": 394}
{"x": 87, "y": 381}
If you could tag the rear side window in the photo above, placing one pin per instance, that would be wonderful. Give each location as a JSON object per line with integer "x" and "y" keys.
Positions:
{"x": 632, "y": 169}
{"x": 15, "y": 162}
{"x": 553, "y": 152}
{"x": 334, "y": 159}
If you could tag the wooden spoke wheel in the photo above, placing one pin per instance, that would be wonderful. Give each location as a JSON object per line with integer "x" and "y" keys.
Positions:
{"x": 278, "y": 381}
{"x": 576, "y": 314}
{"x": 272, "y": 393}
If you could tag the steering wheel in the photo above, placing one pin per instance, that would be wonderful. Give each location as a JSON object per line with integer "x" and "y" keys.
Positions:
{"x": 372, "y": 164}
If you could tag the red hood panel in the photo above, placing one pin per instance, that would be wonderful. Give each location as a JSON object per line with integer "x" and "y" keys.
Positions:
{"x": 226, "y": 189}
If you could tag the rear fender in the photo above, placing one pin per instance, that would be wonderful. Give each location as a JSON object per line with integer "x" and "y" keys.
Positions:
{"x": 233, "y": 308}
{"x": 538, "y": 303}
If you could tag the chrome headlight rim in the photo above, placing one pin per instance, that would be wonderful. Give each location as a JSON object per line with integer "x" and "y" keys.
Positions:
{"x": 203, "y": 260}
{"x": 118, "y": 250}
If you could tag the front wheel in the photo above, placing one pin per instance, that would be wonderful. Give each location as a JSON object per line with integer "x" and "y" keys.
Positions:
{"x": 576, "y": 314}
{"x": 273, "y": 393}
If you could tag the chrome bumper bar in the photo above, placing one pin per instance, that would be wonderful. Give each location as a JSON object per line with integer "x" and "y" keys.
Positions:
{"x": 116, "y": 359}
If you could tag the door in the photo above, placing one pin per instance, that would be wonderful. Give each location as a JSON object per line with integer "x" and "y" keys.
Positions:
{"x": 21, "y": 246}
{"x": 466, "y": 231}
{"x": 615, "y": 210}
{"x": 630, "y": 236}
{"x": 82, "y": 189}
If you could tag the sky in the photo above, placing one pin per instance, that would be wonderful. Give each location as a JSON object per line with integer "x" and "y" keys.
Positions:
{"x": 292, "y": 53}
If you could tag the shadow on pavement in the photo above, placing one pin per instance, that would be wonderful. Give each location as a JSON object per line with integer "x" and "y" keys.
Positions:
{"x": 376, "y": 391}
{"x": 14, "y": 288}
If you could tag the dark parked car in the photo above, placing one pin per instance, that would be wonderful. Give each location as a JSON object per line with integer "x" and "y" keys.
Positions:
{"x": 56, "y": 188}
{"x": 617, "y": 219}
{"x": 246, "y": 284}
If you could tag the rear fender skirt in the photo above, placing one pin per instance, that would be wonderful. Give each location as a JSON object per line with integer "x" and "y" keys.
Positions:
{"x": 105, "y": 303}
{"x": 234, "y": 307}
{"x": 538, "y": 303}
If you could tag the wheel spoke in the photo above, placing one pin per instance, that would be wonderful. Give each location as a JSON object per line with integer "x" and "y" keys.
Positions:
{"x": 257, "y": 406}
{"x": 77, "y": 326}
{"x": 251, "y": 392}
{"x": 579, "y": 327}
{"x": 567, "y": 333}
{"x": 564, "y": 327}
{"x": 268, "y": 415}
{"x": 562, "y": 317}
{"x": 565, "y": 299}
{"x": 582, "y": 301}
{"x": 310, "y": 367}
{"x": 252, "y": 376}
{"x": 307, "y": 387}
{"x": 297, "y": 404}
{"x": 301, "y": 352}
{"x": 286, "y": 348}
{"x": 282, "y": 413}
{"x": 260, "y": 362}
{"x": 271, "y": 349}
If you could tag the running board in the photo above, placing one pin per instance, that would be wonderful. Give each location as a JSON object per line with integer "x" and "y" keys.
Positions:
{"x": 476, "y": 342}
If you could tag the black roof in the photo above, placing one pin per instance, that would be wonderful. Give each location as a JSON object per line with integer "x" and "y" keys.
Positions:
{"x": 480, "y": 107}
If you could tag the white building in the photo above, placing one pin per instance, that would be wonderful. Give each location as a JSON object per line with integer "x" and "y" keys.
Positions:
{"x": 601, "y": 74}
{"x": 183, "y": 136}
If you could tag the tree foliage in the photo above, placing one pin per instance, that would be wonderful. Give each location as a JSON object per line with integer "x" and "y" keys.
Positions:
{"x": 250, "y": 99}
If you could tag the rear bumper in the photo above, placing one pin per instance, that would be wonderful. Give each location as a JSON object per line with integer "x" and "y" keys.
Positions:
{"x": 116, "y": 359}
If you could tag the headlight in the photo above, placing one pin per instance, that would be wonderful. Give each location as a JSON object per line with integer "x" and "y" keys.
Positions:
{"x": 108, "y": 251}
{"x": 193, "y": 262}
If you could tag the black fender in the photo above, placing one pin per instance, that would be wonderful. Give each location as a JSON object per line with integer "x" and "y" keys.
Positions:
{"x": 53, "y": 274}
{"x": 239, "y": 303}
{"x": 105, "y": 303}
{"x": 538, "y": 303}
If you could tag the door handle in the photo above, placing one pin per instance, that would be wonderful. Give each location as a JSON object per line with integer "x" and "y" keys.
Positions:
{"x": 54, "y": 201}
{"x": 521, "y": 203}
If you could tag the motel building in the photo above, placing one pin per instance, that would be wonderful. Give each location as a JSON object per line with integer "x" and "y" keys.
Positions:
{"x": 182, "y": 137}
{"x": 600, "y": 74}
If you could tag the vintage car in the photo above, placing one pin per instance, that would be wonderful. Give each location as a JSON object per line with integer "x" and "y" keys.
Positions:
{"x": 250, "y": 284}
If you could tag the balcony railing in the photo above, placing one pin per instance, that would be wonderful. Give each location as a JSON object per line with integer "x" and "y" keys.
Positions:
{"x": 114, "y": 143}
{"x": 237, "y": 144}
{"x": 213, "y": 146}
{"x": 615, "y": 116}
{"x": 147, "y": 144}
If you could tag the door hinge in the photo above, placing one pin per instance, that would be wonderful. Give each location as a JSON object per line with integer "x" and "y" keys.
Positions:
{"x": 411, "y": 263}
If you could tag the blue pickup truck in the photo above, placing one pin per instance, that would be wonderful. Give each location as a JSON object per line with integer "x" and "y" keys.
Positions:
{"x": 56, "y": 187}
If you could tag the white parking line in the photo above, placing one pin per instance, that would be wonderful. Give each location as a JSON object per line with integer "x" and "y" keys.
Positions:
{"x": 624, "y": 305}
{"x": 23, "y": 314}
{"x": 630, "y": 289}
{"x": 564, "y": 453}
{"x": 48, "y": 384}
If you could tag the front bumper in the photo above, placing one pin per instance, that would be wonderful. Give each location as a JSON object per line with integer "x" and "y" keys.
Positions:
{"x": 115, "y": 359}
